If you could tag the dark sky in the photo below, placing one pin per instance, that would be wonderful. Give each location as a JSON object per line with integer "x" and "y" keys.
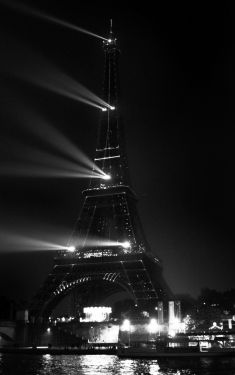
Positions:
{"x": 177, "y": 80}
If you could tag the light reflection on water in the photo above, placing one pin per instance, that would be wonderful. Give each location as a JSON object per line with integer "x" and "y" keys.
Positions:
{"x": 17, "y": 364}
{"x": 131, "y": 366}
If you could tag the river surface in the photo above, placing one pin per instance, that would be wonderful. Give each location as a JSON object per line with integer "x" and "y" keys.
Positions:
{"x": 16, "y": 364}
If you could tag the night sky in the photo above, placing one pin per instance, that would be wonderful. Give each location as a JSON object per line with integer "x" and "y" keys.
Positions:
{"x": 177, "y": 73}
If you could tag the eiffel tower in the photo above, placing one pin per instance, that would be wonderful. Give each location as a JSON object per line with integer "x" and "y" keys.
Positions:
{"x": 111, "y": 254}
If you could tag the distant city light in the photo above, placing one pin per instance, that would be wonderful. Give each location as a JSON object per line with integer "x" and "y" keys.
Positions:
{"x": 176, "y": 326}
{"x": 153, "y": 326}
{"x": 96, "y": 314}
{"x": 126, "y": 325}
{"x": 109, "y": 40}
{"x": 48, "y": 330}
{"x": 71, "y": 248}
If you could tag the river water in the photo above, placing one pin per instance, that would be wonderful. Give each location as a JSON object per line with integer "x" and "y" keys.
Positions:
{"x": 15, "y": 364}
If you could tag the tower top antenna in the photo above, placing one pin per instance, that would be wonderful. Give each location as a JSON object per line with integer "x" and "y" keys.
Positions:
{"x": 111, "y": 26}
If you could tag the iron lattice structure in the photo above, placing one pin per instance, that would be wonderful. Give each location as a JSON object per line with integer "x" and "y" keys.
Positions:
{"x": 109, "y": 218}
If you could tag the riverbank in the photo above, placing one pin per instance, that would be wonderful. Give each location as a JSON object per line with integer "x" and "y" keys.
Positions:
{"x": 58, "y": 351}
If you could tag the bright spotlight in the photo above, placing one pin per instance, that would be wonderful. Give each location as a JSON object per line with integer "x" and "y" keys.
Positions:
{"x": 153, "y": 326}
{"x": 126, "y": 244}
{"x": 106, "y": 177}
{"x": 71, "y": 248}
{"x": 109, "y": 40}
{"x": 112, "y": 108}
{"x": 104, "y": 109}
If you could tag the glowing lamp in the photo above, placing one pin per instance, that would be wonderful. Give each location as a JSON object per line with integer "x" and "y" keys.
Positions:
{"x": 48, "y": 330}
{"x": 71, "y": 248}
{"x": 126, "y": 325}
{"x": 104, "y": 109}
{"x": 153, "y": 326}
{"x": 112, "y": 108}
{"x": 109, "y": 40}
{"x": 106, "y": 177}
{"x": 126, "y": 244}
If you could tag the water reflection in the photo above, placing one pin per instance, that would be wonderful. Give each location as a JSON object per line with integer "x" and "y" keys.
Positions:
{"x": 133, "y": 367}
{"x": 11, "y": 364}
{"x": 47, "y": 364}
{"x": 98, "y": 364}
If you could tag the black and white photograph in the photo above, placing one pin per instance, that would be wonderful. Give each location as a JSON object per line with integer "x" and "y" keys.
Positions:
{"x": 117, "y": 188}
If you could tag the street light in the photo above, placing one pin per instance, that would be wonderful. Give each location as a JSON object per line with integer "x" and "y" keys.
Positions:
{"x": 153, "y": 326}
{"x": 126, "y": 327}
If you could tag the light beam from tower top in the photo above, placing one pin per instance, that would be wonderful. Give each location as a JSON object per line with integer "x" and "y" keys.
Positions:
{"x": 36, "y": 13}
{"x": 110, "y": 41}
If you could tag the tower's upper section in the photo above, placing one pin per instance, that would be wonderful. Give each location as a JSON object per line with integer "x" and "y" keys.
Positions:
{"x": 111, "y": 78}
{"x": 110, "y": 155}
{"x": 109, "y": 224}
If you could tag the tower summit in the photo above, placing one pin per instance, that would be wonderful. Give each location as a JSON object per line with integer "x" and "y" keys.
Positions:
{"x": 110, "y": 252}
{"x": 110, "y": 151}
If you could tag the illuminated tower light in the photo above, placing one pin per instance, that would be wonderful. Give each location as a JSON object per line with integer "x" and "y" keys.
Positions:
{"x": 111, "y": 40}
{"x": 71, "y": 248}
{"x": 126, "y": 244}
{"x": 106, "y": 177}
{"x": 104, "y": 109}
